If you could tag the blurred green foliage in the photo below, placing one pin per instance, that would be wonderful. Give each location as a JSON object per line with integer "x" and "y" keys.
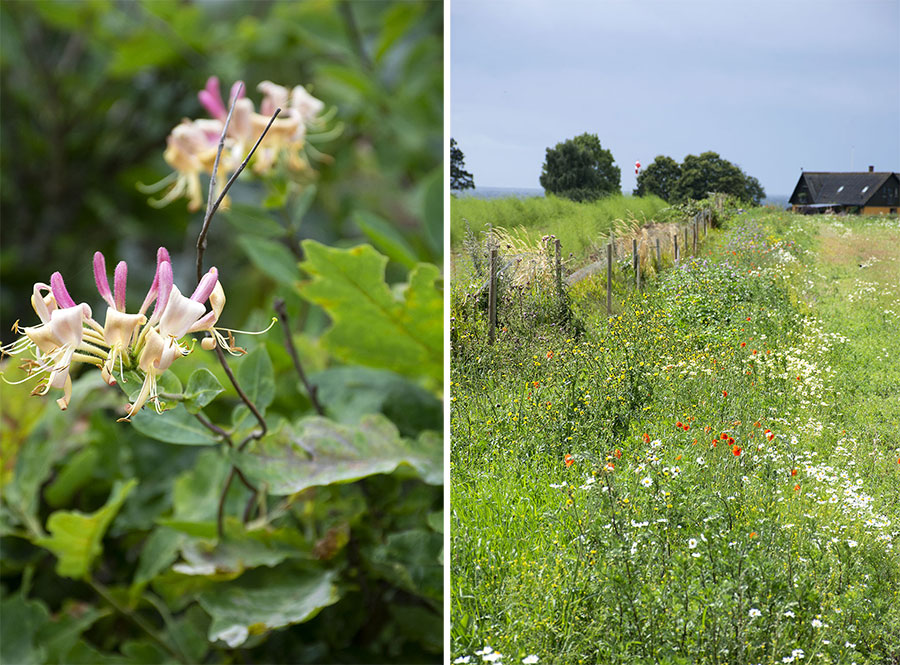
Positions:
{"x": 91, "y": 89}
{"x": 345, "y": 564}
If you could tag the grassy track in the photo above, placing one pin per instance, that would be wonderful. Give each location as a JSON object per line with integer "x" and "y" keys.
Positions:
{"x": 713, "y": 476}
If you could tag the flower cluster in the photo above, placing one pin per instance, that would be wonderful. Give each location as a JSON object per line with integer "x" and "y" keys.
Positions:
{"x": 149, "y": 344}
{"x": 192, "y": 145}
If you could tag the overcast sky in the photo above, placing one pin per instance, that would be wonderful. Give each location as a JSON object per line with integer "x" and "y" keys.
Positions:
{"x": 772, "y": 86}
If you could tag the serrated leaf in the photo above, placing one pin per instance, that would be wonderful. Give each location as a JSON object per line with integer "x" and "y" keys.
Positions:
{"x": 239, "y": 610}
{"x": 371, "y": 325}
{"x": 318, "y": 451}
{"x": 271, "y": 258}
{"x": 173, "y": 426}
{"x": 202, "y": 388}
{"x": 75, "y": 537}
{"x": 386, "y": 238}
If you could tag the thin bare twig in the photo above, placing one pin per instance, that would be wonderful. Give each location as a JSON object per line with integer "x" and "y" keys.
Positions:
{"x": 213, "y": 206}
{"x": 285, "y": 325}
{"x": 207, "y": 218}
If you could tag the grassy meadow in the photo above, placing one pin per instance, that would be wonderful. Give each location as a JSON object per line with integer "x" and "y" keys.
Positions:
{"x": 710, "y": 476}
{"x": 579, "y": 226}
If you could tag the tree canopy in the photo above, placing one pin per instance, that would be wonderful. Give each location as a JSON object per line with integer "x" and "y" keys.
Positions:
{"x": 659, "y": 178}
{"x": 459, "y": 178}
{"x": 580, "y": 169}
{"x": 696, "y": 177}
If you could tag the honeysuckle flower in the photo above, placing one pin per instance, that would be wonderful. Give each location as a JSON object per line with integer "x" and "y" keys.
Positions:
{"x": 60, "y": 340}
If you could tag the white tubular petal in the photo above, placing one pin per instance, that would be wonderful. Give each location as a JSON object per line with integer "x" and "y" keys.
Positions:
{"x": 180, "y": 315}
{"x": 43, "y": 338}
{"x": 39, "y": 304}
{"x": 67, "y": 325}
{"x": 121, "y": 328}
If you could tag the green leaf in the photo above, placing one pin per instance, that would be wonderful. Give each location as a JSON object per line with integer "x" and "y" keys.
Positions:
{"x": 196, "y": 492}
{"x": 59, "y": 636}
{"x": 433, "y": 210}
{"x": 397, "y": 21}
{"x": 239, "y": 552}
{"x": 21, "y": 621}
{"x": 73, "y": 476}
{"x": 160, "y": 551}
{"x": 202, "y": 388}
{"x": 349, "y": 393}
{"x": 257, "y": 378}
{"x": 301, "y": 205}
{"x": 239, "y": 610}
{"x": 370, "y": 325}
{"x": 386, "y": 238}
{"x": 251, "y": 220}
{"x": 412, "y": 561}
{"x": 271, "y": 258}
{"x": 173, "y": 426}
{"x": 75, "y": 537}
{"x": 318, "y": 451}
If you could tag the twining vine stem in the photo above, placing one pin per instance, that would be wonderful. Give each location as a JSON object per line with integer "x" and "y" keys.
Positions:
{"x": 285, "y": 325}
{"x": 211, "y": 208}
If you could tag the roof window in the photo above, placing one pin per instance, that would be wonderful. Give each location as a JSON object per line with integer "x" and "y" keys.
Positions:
{"x": 864, "y": 189}
{"x": 840, "y": 188}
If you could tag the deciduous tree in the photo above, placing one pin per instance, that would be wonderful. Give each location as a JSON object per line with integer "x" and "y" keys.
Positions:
{"x": 580, "y": 169}
{"x": 659, "y": 178}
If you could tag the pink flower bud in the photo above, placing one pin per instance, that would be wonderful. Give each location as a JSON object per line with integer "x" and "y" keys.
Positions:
{"x": 58, "y": 287}
{"x": 101, "y": 279}
{"x": 119, "y": 281}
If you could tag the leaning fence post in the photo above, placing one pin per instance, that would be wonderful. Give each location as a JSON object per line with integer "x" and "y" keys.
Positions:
{"x": 492, "y": 297}
{"x": 609, "y": 253}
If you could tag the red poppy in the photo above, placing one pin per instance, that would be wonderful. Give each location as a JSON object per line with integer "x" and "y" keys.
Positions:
{"x": 724, "y": 393}
{"x": 769, "y": 434}
{"x": 570, "y": 460}
{"x": 736, "y": 451}
{"x": 618, "y": 454}
{"x": 723, "y": 436}
{"x": 686, "y": 427}
{"x": 549, "y": 355}
{"x": 645, "y": 437}
{"x": 797, "y": 488}
{"x": 793, "y": 472}
{"x": 678, "y": 424}
{"x": 743, "y": 344}
{"x": 756, "y": 424}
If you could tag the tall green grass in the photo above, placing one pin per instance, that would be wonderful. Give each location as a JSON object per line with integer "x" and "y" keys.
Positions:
{"x": 581, "y": 227}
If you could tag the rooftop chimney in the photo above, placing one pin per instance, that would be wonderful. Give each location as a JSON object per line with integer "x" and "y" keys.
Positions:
{"x": 871, "y": 169}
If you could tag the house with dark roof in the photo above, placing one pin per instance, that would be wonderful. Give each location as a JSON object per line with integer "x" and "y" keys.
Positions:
{"x": 867, "y": 193}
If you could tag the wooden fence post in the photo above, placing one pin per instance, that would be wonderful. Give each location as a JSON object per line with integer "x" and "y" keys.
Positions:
{"x": 658, "y": 255}
{"x": 559, "y": 287}
{"x": 609, "y": 253}
{"x": 694, "y": 228}
{"x": 492, "y": 297}
{"x": 685, "y": 237}
{"x": 675, "y": 245}
{"x": 612, "y": 241}
{"x": 636, "y": 263}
